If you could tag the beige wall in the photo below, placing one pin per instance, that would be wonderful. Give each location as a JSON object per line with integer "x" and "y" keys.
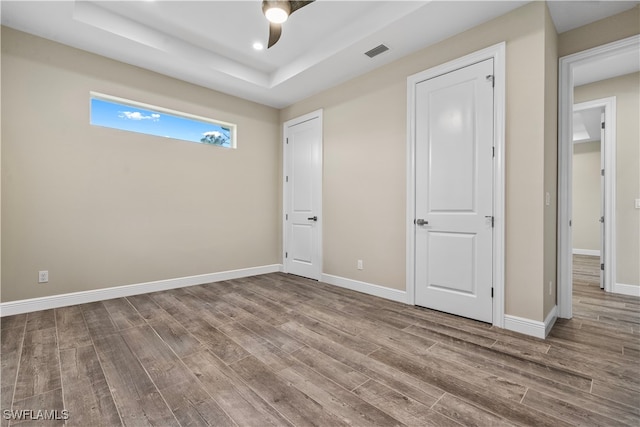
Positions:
{"x": 616, "y": 27}
{"x": 99, "y": 207}
{"x": 0, "y": 172}
{"x": 626, "y": 89}
{"x": 550, "y": 163}
{"x": 365, "y": 159}
{"x": 586, "y": 196}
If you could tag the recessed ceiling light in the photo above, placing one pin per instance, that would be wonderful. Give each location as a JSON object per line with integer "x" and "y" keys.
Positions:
{"x": 258, "y": 46}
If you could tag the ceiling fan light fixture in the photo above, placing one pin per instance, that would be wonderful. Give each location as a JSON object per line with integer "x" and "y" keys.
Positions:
{"x": 276, "y": 11}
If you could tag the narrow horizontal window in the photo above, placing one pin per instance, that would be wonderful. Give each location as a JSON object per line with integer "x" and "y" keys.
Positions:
{"x": 117, "y": 113}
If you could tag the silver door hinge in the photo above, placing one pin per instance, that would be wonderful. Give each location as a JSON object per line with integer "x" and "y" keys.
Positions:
{"x": 491, "y": 292}
{"x": 602, "y": 172}
{"x": 492, "y": 220}
{"x": 286, "y": 178}
{"x": 602, "y": 125}
{"x": 286, "y": 254}
{"x": 287, "y": 140}
{"x": 602, "y": 267}
{"x": 491, "y": 79}
{"x": 493, "y": 151}
{"x": 286, "y": 217}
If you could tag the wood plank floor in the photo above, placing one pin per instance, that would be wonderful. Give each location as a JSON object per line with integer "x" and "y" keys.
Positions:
{"x": 281, "y": 350}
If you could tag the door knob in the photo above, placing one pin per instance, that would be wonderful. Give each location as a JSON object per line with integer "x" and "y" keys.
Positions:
{"x": 420, "y": 221}
{"x": 313, "y": 218}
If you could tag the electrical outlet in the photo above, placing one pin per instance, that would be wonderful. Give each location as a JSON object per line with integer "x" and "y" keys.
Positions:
{"x": 43, "y": 276}
{"x": 360, "y": 265}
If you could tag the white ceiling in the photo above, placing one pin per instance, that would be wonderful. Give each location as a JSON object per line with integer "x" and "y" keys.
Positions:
{"x": 209, "y": 43}
{"x": 613, "y": 65}
{"x": 571, "y": 14}
{"x": 586, "y": 125}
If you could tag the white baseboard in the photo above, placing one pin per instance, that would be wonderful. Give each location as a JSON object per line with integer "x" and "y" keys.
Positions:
{"x": 591, "y": 252}
{"x": 530, "y": 327}
{"x": 366, "y": 288}
{"x": 621, "y": 288}
{"x": 514, "y": 323}
{"x": 44, "y": 303}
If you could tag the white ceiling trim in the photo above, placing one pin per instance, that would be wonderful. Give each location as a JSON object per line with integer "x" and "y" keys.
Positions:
{"x": 92, "y": 14}
{"x": 103, "y": 19}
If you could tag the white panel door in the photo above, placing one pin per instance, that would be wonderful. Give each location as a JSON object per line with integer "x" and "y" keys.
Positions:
{"x": 454, "y": 192}
{"x": 303, "y": 196}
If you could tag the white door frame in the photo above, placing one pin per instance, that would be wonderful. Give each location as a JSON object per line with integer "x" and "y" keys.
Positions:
{"x": 608, "y": 151}
{"x": 498, "y": 53}
{"x": 565, "y": 167}
{"x": 285, "y": 190}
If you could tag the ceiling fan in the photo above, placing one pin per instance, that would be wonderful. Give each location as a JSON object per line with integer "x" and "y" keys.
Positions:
{"x": 276, "y": 12}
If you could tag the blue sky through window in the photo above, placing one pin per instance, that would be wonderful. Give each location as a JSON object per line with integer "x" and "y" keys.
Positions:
{"x": 134, "y": 119}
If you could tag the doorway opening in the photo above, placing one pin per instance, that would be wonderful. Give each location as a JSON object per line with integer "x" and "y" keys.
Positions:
{"x": 593, "y": 186}
{"x": 600, "y": 63}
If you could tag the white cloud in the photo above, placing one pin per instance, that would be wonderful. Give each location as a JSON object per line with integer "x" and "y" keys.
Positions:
{"x": 136, "y": 115}
{"x": 213, "y": 133}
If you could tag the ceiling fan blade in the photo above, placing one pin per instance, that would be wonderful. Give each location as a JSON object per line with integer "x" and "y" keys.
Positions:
{"x": 295, "y": 5}
{"x": 275, "y": 31}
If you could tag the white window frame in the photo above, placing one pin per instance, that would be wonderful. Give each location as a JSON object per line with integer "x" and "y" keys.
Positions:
{"x": 233, "y": 128}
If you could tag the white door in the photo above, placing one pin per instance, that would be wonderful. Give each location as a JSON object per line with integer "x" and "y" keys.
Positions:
{"x": 454, "y": 192}
{"x": 303, "y": 196}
